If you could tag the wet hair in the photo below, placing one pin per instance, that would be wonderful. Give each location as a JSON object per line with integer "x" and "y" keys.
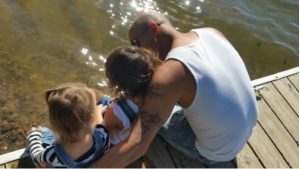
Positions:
{"x": 71, "y": 107}
{"x": 130, "y": 69}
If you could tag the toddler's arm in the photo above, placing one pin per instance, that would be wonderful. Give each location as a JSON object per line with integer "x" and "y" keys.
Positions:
{"x": 34, "y": 140}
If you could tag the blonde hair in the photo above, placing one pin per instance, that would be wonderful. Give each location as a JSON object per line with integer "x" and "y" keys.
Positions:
{"x": 71, "y": 107}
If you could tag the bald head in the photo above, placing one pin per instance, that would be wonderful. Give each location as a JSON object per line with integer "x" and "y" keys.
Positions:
{"x": 147, "y": 17}
{"x": 143, "y": 24}
{"x": 152, "y": 30}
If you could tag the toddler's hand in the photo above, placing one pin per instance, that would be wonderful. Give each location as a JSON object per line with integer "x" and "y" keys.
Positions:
{"x": 101, "y": 109}
{"x": 38, "y": 128}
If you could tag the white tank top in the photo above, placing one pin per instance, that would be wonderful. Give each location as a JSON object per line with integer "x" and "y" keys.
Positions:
{"x": 224, "y": 109}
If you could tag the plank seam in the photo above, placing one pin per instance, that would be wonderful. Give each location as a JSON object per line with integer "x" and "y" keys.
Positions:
{"x": 274, "y": 144}
{"x": 284, "y": 99}
{"x": 292, "y": 83}
{"x": 278, "y": 118}
{"x": 256, "y": 155}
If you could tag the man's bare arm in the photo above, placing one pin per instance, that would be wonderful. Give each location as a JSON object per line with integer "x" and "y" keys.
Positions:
{"x": 144, "y": 130}
{"x": 155, "y": 111}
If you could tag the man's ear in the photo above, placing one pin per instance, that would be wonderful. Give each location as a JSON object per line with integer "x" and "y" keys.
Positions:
{"x": 153, "y": 26}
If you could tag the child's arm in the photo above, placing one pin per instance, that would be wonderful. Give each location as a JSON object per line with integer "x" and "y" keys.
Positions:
{"x": 42, "y": 157}
{"x": 112, "y": 122}
{"x": 34, "y": 140}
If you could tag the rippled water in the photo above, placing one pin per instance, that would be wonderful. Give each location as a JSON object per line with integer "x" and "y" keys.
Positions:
{"x": 44, "y": 43}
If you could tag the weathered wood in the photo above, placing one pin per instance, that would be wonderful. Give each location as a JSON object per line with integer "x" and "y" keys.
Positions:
{"x": 282, "y": 109}
{"x": 158, "y": 155}
{"x": 12, "y": 156}
{"x": 181, "y": 160}
{"x": 247, "y": 159}
{"x": 295, "y": 80}
{"x": 278, "y": 134}
{"x": 276, "y": 76}
{"x": 265, "y": 149}
{"x": 289, "y": 92}
{"x": 13, "y": 164}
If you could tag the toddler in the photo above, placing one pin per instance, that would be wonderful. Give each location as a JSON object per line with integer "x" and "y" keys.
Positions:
{"x": 81, "y": 137}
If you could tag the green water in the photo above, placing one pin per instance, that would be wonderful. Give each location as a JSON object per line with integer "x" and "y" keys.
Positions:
{"x": 47, "y": 42}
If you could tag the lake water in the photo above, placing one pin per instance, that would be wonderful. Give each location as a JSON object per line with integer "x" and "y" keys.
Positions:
{"x": 47, "y": 42}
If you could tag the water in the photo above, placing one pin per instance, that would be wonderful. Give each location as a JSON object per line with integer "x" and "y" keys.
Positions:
{"x": 44, "y": 43}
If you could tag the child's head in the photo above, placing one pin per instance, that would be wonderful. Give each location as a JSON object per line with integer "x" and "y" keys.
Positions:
{"x": 71, "y": 108}
{"x": 130, "y": 69}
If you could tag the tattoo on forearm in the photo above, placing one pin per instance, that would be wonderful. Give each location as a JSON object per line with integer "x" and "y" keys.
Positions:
{"x": 149, "y": 120}
{"x": 153, "y": 91}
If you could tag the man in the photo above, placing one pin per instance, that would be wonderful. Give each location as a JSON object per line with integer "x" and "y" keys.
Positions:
{"x": 204, "y": 74}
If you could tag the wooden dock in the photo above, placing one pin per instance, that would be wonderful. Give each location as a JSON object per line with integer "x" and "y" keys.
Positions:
{"x": 274, "y": 142}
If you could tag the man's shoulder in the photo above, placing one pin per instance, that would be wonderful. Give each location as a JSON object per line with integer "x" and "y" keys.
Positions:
{"x": 210, "y": 29}
{"x": 170, "y": 72}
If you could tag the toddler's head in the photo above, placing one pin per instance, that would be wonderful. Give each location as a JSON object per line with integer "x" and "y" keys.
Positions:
{"x": 71, "y": 109}
{"x": 130, "y": 69}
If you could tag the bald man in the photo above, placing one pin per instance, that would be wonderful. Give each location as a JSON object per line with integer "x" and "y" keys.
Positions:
{"x": 204, "y": 74}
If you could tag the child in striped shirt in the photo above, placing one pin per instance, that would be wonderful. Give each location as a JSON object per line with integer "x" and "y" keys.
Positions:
{"x": 75, "y": 119}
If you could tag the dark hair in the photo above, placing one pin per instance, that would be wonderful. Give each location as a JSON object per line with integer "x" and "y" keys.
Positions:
{"x": 70, "y": 109}
{"x": 130, "y": 69}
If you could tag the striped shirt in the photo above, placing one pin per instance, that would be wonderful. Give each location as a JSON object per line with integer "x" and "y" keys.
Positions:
{"x": 39, "y": 153}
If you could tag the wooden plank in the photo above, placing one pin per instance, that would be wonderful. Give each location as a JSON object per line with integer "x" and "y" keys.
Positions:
{"x": 282, "y": 109}
{"x": 12, "y": 156}
{"x": 13, "y": 164}
{"x": 278, "y": 134}
{"x": 295, "y": 80}
{"x": 182, "y": 161}
{"x": 265, "y": 149}
{"x": 158, "y": 155}
{"x": 247, "y": 159}
{"x": 289, "y": 92}
{"x": 276, "y": 76}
